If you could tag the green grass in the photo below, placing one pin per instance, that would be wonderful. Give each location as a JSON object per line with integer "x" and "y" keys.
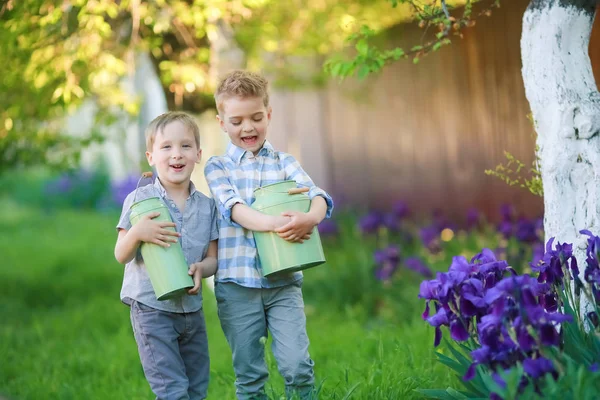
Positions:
{"x": 65, "y": 335}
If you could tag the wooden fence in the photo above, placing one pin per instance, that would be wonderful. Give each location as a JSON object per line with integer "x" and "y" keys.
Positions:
{"x": 422, "y": 133}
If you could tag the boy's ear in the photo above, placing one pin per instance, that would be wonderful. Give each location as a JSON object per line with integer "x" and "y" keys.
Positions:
{"x": 199, "y": 156}
{"x": 221, "y": 123}
{"x": 149, "y": 158}
{"x": 269, "y": 111}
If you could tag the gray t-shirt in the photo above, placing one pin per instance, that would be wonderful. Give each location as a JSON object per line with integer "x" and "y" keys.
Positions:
{"x": 197, "y": 225}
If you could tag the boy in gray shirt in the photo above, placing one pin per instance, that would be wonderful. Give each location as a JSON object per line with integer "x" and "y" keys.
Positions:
{"x": 170, "y": 334}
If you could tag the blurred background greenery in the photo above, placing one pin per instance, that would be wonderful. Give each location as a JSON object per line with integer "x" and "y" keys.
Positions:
{"x": 65, "y": 335}
{"x": 80, "y": 81}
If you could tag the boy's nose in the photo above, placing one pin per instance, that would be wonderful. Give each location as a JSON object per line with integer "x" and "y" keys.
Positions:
{"x": 248, "y": 127}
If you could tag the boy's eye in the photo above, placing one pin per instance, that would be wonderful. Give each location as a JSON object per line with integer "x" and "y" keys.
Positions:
{"x": 235, "y": 123}
{"x": 257, "y": 119}
{"x": 167, "y": 146}
{"x": 187, "y": 145}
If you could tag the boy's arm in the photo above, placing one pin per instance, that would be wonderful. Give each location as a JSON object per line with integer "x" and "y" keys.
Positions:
{"x": 146, "y": 230}
{"x": 231, "y": 206}
{"x": 208, "y": 265}
{"x": 301, "y": 224}
{"x": 205, "y": 268}
{"x": 254, "y": 220}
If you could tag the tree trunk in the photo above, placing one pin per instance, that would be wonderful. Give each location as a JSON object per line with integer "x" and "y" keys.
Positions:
{"x": 565, "y": 103}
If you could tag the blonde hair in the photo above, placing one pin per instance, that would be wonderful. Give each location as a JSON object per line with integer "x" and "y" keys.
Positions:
{"x": 242, "y": 83}
{"x": 159, "y": 123}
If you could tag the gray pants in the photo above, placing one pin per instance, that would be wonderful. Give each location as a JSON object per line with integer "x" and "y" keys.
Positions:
{"x": 173, "y": 350}
{"x": 246, "y": 314}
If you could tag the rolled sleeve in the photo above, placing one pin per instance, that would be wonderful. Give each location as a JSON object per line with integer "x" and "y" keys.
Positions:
{"x": 124, "y": 222}
{"x": 294, "y": 171}
{"x": 223, "y": 192}
{"x": 317, "y": 191}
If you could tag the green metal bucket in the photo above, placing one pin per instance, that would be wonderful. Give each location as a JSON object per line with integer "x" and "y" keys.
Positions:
{"x": 167, "y": 267}
{"x": 276, "y": 254}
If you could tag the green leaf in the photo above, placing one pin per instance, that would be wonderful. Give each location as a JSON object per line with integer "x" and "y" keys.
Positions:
{"x": 455, "y": 365}
{"x": 436, "y": 394}
{"x": 362, "y": 47}
{"x": 363, "y": 71}
{"x": 456, "y": 394}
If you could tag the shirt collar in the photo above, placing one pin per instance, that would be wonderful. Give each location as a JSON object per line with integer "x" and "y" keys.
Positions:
{"x": 163, "y": 192}
{"x": 237, "y": 153}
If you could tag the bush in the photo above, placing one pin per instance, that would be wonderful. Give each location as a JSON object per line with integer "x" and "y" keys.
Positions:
{"x": 519, "y": 335}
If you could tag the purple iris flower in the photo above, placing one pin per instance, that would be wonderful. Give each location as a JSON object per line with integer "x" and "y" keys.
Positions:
{"x": 525, "y": 340}
{"x": 537, "y": 367}
{"x": 370, "y": 223}
{"x": 592, "y": 269}
{"x": 391, "y": 222}
{"x": 551, "y": 267}
{"x": 430, "y": 237}
{"x": 400, "y": 209}
{"x": 537, "y": 250}
{"x": 328, "y": 227}
{"x": 458, "y": 330}
{"x": 507, "y": 212}
{"x": 526, "y": 231}
{"x": 473, "y": 218}
{"x": 593, "y": 248}
{"x": 417, "y": 265}
{"x": 386, "y": 261}
{"x": 121, "y": 188}
{"x": 506, "y": 228}
{"x": 61, "y": 185}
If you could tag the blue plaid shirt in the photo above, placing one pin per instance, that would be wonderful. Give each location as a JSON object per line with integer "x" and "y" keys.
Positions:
{"x": 232, "y": 179}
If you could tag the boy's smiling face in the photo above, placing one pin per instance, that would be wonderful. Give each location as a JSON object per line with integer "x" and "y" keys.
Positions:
{"x": 245, "y": 119}
{"x": 174, "y": 153}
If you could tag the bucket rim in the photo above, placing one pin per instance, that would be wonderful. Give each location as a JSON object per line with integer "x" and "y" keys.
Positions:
{"x": 298, "y": 267}
{"x": 295, "y": 200}
{"x": 147, "y": 198}
{"x": 276, "y": 183}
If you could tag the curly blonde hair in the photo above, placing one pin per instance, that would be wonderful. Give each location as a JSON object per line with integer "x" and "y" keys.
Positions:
{"x": 241, "y": 83}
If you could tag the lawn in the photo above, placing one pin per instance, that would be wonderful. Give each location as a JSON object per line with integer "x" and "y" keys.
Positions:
{"x": 65, "y": 334}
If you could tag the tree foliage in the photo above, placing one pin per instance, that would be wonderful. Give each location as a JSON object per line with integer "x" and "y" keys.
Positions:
{"x": 56, "y": 54}
{"x": 441, "y": 21}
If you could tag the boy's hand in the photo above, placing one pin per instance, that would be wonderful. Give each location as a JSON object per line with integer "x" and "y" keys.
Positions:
{"x": 150, "y": 231}
{"x": 195, "y": 272}
{"x": 298, "y": 229}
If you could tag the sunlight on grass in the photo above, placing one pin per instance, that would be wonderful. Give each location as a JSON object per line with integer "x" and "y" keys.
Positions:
{"x": 65, "y": 335}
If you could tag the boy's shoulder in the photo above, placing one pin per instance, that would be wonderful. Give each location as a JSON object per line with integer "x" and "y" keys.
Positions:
{"x": 140, "y": 193}
{"x": 203, "y": 199}
{"x": 216, "y": 159}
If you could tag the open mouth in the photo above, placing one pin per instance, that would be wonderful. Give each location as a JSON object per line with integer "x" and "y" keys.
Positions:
{"x": 178, "y": 167}
{"x": 250, "y": 140}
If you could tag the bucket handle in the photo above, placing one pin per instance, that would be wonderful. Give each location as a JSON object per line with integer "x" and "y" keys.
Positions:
{"x": 145, "y": 175}
{"x": 298, "y": 190}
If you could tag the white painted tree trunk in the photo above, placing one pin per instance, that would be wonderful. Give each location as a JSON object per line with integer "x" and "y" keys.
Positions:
{"x": 565, "y": 102}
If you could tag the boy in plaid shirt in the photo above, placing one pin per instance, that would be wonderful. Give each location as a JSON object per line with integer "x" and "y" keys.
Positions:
{"x": 249, "y": 304}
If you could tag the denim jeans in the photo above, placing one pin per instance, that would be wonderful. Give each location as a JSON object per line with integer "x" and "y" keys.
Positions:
{"x": 173, "y": 350}
{"x": 246, "y": 314}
